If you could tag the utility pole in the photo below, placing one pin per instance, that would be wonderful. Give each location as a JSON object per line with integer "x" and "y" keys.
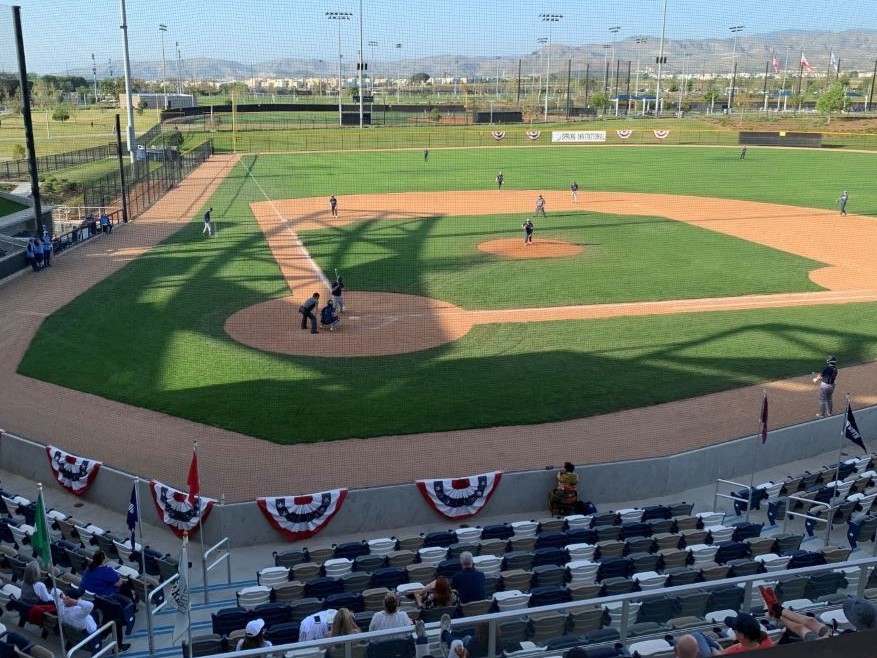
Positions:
{"x": 94, "y": 76}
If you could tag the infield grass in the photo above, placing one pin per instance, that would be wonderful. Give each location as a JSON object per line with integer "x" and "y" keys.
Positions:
{"x": 171, "y": 304}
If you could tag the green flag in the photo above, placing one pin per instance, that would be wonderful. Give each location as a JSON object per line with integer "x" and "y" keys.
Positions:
{"x": 40, "y": 538}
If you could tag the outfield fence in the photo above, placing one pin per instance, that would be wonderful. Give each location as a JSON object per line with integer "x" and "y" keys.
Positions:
{"x": 296, "y": 135}
{"x": 18, "y": 169}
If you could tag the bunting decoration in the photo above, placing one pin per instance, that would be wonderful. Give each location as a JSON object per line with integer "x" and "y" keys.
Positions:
{"x": 624, "y": 134}
{"x": 661, "y": 134}
{"x": 175, "y": 510}
{"x": 534, "y": 134}
{"x": 498, "y": 135}
{"x": 459, "y": 498}
{"x": 300, "y": 517}
{"x": 73, "y": 473}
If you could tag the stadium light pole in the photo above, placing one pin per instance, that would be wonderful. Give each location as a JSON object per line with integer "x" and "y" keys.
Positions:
{"x": 126, "y": 64}
{"x": 361, "y": 66}
{"x": 372, "y": 45}
{"x": 339, "y": 16}
{"x": 550, "y": 19}
{"x": 399, "y": 75}
{"x": 639, "y": 42}
{"x": 541, "y": 41}
{"x": 614, "y": 30}
{"x": 163, "y": 28}
{"x": 661, "y": 61}
{"x": 94, "y": 75}
{"x": 606, "y": 48}
{"x": 179, "y": 71}
{"x": 735, "y": 29}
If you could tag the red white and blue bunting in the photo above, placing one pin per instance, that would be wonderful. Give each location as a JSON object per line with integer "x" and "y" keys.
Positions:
{"x": 459, "y": 498}
{"x": 498, "y": 135}
{"x": 534, "y": 134}
{"x": 75, "y": 474}
{"x": 176, "y": 511}
{"x": 300, "y": 517}
{"x": 624, "y": 134}
{"x": 662, "y": 134}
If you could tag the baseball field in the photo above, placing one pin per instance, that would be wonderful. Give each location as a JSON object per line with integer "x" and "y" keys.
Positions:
{"x": 678, "y": 272}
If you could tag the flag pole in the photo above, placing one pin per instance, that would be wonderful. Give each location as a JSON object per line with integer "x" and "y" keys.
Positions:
{"x": 762, "y": 432}
{"x": 189, "y": 600}
{"x": 140, "y": 534}
{"x": 843, "y": 433}
{"x": 200, "y": 531}
{"x": 46, "y": 553}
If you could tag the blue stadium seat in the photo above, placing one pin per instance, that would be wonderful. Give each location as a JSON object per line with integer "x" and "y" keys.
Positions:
{"x": 226, "y": 620}
{"x": 615, "y": 567}
{"x": 351, "y": 550}
{"x": 349, "y": 600}
{"x": 746, "y": 530}
{"x": 391, "y": 649}
{"x": 272, "y": 613}
{"x": 542, "y": 556}
{"x": 732, "y": 550}
{"x": 552, "y": 540}
{"x": 448, "y": 568}
{"x": 549, "y": 595}
{"x": 444, "y": 539}
{"x": 320, "y": 588}
{"x": 498, "y": 531}
{"x": 656, "y": 512}
{"x": 635, "y": 529}
{"x": 802, "y": 559}
{"x": 286, "y": 633}
{"x": 389, "y": 577}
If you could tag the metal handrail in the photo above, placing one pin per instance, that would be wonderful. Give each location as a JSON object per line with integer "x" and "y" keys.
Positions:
{"x": 625, "y": 599}
{"x": 110, "y": 646}
{"x": 807, "y": 517}
{"x": 152, "y": 610}
{"x": 224, "y": 557}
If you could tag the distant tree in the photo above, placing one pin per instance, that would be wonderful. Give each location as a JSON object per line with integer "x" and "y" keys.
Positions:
{"x": 61, "y": 113}
{"x": 141, "y": 105}
{"x": 18, "y": 151}
{"x": 419, "y": 78}
{"x": 600, "y": 101}
{"x": 831, "y": 100}
{"x": 711, "y": 96}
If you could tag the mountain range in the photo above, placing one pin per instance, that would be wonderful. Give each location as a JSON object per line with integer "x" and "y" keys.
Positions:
{"x": 855, "y": 50}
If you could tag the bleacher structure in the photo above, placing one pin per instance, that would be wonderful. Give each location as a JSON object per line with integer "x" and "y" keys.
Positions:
{"x": 616, "y": 580}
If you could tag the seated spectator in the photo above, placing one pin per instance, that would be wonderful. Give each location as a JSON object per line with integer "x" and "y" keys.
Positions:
{"x": 437, "y": 594}
{"x": 317, "y": 626}
{"x": 469, "y": 583}
{"x": 328, "y": 316}
{"x": 35, "y": 594}
{"x": 565, "y": 493}
{"x": 76, "y": 612}
{"x": 344, "y": 624}
{"x": 748, "y": 633}
{"x": 254, "y": 638}
{"x": 102, "y": 579}
{"x": 390, "y": 617}
{"x": 859, "y": 612}
{"x": 475, "y": 645}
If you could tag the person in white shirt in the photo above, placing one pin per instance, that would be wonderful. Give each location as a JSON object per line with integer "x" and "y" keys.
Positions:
{"x": 390, "y": 617}
{"x": 316, "y": 626}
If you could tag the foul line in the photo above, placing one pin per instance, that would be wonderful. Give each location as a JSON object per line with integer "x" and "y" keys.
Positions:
{"x": 298, "y": 243}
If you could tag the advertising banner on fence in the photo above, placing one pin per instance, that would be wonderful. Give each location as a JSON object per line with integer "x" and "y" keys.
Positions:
{"x": 578, "y": 136}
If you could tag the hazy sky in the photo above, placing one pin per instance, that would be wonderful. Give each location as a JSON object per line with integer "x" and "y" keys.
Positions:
{"x": 62, "y": 34}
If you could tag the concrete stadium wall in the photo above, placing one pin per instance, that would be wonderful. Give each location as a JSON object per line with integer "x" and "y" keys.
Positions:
{"x": 367, "y": 512}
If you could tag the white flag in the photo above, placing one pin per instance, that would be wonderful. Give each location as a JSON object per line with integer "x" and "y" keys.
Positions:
{"x": 180, "y": 596}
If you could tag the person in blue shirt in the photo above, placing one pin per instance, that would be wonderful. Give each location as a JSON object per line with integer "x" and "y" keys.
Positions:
{"x": 328, "y": 317}
{"x": 105, "y": 224}
{"x": 468, "y": 582}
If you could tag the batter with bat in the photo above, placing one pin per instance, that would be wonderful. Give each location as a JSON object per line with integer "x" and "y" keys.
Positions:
{"x": 337, "y": 290}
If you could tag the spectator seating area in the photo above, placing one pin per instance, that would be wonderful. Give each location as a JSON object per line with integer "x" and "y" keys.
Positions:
{"x": 627, "y": 577}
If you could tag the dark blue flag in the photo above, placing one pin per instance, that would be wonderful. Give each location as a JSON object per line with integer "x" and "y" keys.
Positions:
{"x": 851, "y": 430}
{"x": 133, "y": 514}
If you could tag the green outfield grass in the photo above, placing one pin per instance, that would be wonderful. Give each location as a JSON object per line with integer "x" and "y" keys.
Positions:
{"x": 172, "y": 303}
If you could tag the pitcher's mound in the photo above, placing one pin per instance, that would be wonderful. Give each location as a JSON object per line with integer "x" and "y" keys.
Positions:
{"x": 539, "y": 248}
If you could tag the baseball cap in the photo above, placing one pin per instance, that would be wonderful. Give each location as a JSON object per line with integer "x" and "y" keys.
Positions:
{"x": 73, "y": 593}
{"x": 860, "y": 613}
{"x": 255, "y": 627}
{"x": 744, "y": 624}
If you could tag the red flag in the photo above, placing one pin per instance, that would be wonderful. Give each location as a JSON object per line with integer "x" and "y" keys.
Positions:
{"x": 804, "y": 63}
{"x": 776, "y": 65}
{"x": 764, "y": 418}
{"x": 192, "y": 480}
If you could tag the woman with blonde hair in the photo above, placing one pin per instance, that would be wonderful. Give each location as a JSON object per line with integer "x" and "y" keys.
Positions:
{"x": 344, "y": 624}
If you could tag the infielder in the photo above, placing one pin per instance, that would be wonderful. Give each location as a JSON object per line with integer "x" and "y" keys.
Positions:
{"x": 842, "y": 200}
